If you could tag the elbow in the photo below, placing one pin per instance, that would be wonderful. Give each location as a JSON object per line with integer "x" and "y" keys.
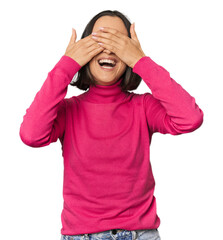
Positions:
{"x": 26, "y": 138}
{"x": 185, "y": 127}
{"x": 198, "y": 120}
{"x": 193, "y": 124}
{"x": 31, "y": 141}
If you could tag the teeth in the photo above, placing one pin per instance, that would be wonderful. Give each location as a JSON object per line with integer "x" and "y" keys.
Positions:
{"x": 107, "y": 60}
{"x": 107, "y": 67}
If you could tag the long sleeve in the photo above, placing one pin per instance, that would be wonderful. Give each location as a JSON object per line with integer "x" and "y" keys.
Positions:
{"x": 44, "y": 121}
{"x": 170, "y": 108}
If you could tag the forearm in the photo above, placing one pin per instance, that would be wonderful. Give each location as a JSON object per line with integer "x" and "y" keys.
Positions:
{"x": 37, "y": 127}
{"x": 181, "y": 109}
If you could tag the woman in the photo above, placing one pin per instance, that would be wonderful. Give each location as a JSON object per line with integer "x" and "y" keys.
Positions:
{"x": 106, "y": 132}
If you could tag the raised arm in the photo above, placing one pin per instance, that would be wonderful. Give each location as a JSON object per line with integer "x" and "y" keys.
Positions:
{"x": 170, "y": 108}
{"x": 44, "y": 121}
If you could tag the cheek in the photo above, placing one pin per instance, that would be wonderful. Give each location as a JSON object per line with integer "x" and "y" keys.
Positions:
{"x": 91, "y": 64}
{"x": 122, "y": 67}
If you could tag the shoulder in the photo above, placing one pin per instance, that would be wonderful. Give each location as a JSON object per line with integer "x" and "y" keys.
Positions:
{"x": 74, "y": 100}
{"x": 140, "y": 97}
{"x": 70, "y": 101}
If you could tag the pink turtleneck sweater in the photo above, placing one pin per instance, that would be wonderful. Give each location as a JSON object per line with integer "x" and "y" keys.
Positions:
{"x": 105, "y": 135}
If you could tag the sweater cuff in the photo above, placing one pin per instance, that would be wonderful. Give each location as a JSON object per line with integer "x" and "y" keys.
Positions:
{"x": 68, "y": 65}
{"x": 143, "y": 64}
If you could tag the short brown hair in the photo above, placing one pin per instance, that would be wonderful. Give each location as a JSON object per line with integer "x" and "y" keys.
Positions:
{"x": 84, "y": 77}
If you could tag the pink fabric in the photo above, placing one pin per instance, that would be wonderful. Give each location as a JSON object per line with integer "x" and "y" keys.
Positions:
{"x": 105, "y": 135}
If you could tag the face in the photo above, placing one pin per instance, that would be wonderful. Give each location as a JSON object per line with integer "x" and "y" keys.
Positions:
{"x": 101, "y": 74}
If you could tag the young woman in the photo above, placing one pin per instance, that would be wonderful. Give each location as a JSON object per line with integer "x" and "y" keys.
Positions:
{"x": 106, "y": 131}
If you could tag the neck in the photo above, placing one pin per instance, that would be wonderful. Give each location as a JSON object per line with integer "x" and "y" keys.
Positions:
{"x": 105, "y": 93}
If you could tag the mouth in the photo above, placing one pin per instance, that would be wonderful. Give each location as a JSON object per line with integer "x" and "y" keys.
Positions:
{"x": 107, "y": 64}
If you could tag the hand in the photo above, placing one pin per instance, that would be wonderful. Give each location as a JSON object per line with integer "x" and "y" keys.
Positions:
{"x": 127, "y": 49}
{"x": 83, "y": 50}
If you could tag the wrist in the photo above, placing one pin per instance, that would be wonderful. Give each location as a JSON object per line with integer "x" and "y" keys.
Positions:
{"x": 137, "y": 59}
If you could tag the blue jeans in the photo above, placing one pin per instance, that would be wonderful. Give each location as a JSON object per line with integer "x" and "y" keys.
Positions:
{"x": 117, "y": 234}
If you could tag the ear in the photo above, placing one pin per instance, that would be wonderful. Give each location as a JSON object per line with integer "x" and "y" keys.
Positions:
{"x": 133, "y": 33}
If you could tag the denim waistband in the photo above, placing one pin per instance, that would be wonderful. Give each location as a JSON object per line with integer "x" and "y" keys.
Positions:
{"x": 114, "y": 233}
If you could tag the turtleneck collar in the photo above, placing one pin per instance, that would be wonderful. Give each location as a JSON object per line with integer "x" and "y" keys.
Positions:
{"x": 105, "y": 93}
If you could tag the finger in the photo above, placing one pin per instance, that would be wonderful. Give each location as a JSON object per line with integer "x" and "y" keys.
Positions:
{"x": 111, "y": 48}
{"x": 95, "y": 50}
{"x": 92, "y": 47}
{"x": 91, "y": 44}
{"x": 107, "y": 35}
{"x": 108, "y": 41}
{"x": 113, "y": 31}
{"x": 73, "y": 36}
{"x": 133, "y": 32}
{"x": 88, "y": 41}
{"x": 85, "y": 42}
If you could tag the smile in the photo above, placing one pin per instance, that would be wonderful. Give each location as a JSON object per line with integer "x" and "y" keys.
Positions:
{"x": 107, "y": 64}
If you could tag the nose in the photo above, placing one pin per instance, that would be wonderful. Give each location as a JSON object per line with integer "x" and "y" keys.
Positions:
{"x": 107, "y": 51}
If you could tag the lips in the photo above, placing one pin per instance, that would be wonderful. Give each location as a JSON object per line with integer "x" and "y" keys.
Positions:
{"x": 106, "y": 68}
{"x": 109, "y": 58}
{"x": 107, "y": 63}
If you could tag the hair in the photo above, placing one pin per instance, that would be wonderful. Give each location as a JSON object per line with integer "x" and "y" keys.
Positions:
{"x": 84, "y": 77}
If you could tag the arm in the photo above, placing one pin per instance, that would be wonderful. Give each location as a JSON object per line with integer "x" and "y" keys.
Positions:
{"x": 170, "y": 108}
{"x": 44, "y": 121}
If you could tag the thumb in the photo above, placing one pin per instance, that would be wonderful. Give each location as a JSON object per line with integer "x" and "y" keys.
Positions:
{"x": 73, "y": 36}
{"x": 133, "y": 33}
